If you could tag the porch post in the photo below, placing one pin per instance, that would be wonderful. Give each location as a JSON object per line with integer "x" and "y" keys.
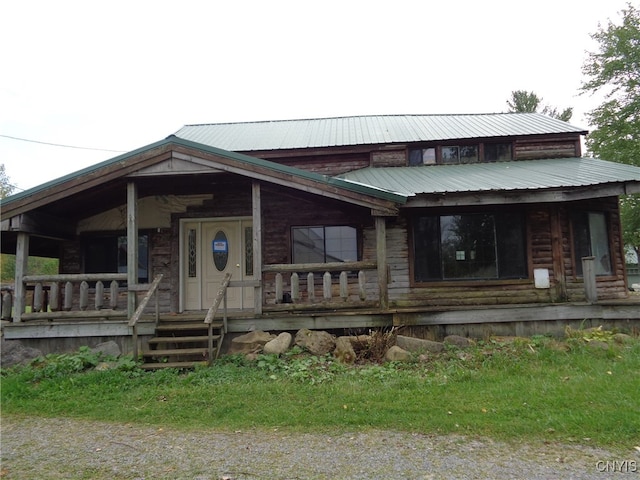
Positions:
{"x": 132, "y": 246}
{"x": 257, "y": 245}
{"x": 557, "y": 255}
{"x": 22, "y": 257}
{"x": 381, "y": 254}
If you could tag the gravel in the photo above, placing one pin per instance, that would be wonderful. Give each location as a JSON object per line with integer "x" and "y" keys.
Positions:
{"x": 43, "y": 448}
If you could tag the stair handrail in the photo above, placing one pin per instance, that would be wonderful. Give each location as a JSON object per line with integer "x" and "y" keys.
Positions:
{"x": 133, "y": 321}
{"x": 221, "y": 296}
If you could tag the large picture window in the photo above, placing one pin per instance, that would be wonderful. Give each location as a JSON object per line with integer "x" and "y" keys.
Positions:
{"x": 477, "y": 246}
{"x": 324, "y": 244}
{"x": 108, "y": 254}
{"x": 591, "y": 238}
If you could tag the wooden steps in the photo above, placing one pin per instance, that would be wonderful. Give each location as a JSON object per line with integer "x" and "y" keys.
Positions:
{"x": 182, "y": 343}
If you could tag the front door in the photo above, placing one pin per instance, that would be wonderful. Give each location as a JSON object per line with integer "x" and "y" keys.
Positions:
{"x": 211, "y": 249}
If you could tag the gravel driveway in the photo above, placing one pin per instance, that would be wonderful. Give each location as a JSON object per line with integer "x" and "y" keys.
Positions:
{"x": 39, "y": 448}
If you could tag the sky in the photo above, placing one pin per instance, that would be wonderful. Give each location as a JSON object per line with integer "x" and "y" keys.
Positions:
{"x": 120, "y": 75}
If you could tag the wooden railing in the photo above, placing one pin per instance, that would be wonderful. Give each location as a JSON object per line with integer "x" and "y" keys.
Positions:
{"x": 133, "y": 321}
{"x": 350, "y": 277}
{"x": 68, "y": 296}
{"x": 221, "y": 297}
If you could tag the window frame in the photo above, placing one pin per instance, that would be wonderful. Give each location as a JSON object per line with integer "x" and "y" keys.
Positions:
{"x": 437, "y": 158}
{"x": 358, "y": 241}
{"x": 113, "y": 238}
{"x": 577, "y": 260}
{"x": 523, "y": 278}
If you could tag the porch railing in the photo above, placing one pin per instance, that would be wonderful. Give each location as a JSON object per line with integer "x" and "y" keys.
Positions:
{"x": 133, "y": 321}
{"x": 71, "y": 296}
{"x": 221, "y": 297}
{"x": 340, "y": 282}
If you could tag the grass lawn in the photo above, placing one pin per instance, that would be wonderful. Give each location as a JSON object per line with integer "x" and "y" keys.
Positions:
{"x": 535, "y": 389}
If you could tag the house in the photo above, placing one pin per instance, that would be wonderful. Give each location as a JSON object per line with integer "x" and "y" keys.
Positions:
{"x": 447, "y": 222}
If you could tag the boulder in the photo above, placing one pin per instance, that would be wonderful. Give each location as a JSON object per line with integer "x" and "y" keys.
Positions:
{"x": 344, "y": 350}
{"x": 278, "y": 345}
{"x": 108, "y": 349}
{"x": 15, "y": 353}
{"x": 397, "y": 354}
{"x": 418, "y": 345}
{"x": 317, "y": 342}
{"x": 622, "y": 338}
{"x": 251, "y": 342}
{"x": 458, "y": 341}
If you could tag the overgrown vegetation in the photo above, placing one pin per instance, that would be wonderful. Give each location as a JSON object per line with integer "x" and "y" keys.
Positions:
{"x": 536, "y": 389}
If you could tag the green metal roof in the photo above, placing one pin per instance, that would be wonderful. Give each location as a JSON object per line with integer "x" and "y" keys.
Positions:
{"x": 370, "y": 130}
{"x": 499, "y": 176}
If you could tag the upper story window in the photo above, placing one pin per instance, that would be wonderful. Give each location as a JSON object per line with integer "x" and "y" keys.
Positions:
{"x": 458, "y": 154}
{"x": 323, "y": 244}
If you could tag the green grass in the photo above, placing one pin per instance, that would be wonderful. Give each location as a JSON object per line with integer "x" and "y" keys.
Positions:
{"x": 526, "y": 391}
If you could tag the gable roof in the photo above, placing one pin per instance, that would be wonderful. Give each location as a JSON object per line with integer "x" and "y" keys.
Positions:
{"x": 369, "y": 130}
{"x": 498, "y": 176}
{"x": 143, "y": 158}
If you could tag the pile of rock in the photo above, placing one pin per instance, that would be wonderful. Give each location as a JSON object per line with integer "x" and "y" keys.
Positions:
{"x": 344, "y": 348}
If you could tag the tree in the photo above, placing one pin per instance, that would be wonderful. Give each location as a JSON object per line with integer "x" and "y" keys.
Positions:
{"x": 35, "y": 265}
{"x": 5, "y": 183}
{"x": 614, "y": 70}
{"x": 523, "y": 101}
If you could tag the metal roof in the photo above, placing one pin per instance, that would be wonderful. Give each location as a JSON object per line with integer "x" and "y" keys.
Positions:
{"x": 370, "y": 130}
{"x": 499, "y": 176}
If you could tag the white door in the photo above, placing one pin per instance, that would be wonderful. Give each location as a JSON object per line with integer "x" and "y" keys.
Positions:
{"x": 211, "y": 249}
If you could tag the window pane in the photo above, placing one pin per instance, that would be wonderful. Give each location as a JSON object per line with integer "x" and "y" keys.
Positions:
{"x": 415, "y": 157}
{"x": 325, "y": 244}
{"x": 600, "y": 243}
{"x": 308, "y": 245}
{"x": 591, "y": 238}
{"x": 341, "y": 244}
{"x": 497, "y": 152}
{"x": 469, "y": 154}
{"x": 468, "y": 246}
{"x": 426, "y": 249}
{"x": 512, "y": 258}
{"x": 450, "y": 155}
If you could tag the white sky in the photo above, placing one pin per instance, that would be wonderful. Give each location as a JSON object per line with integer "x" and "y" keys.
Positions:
{"x": 122, "y": 74}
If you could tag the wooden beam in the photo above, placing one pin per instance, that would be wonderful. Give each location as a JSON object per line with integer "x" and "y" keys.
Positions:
{"x": 132, "y": 245}
{"x": 557, "y": 255}
{"x": 256, "y": 216}
{"x": 381, "y": 257}
{"x": 507, "y": 198}
{"x": 22, "y": 257}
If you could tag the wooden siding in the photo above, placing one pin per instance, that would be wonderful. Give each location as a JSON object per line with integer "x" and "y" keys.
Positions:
{"x": 389, "y": 159}
{"x": 541, "y": 255}
{"x": 538, "y": 149}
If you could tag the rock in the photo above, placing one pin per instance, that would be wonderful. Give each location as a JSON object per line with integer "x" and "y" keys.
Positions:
{"x": 103, "y": 366}
{"x": 278, "y": 345}
{"x": 622, "y": 338}
{"x": 108, "y": 349}
{"x": 418, "y": 345}
{"x": 15, "y": 353}
{"x": 458, "y": 341}
{"x": 397, "y": 354}
{"x": 598, "y": 344}
{"x": 344, "y": 349}
{"x": 317, "y": 342}
{"x": 251, "y": 342}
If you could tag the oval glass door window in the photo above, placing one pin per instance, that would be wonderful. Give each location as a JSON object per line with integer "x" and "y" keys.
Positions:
{"x": 220, "y": 250}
